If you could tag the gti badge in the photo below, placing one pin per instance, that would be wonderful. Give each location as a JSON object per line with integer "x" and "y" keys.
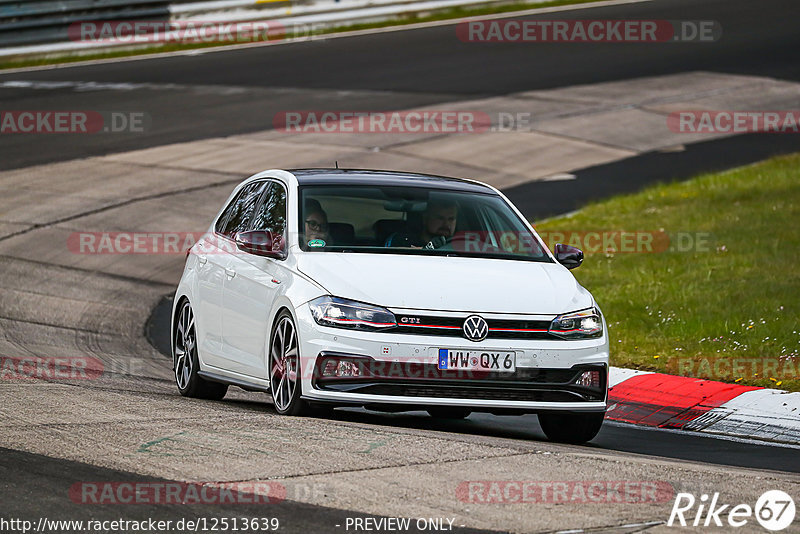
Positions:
{"x": 475, "y": 328}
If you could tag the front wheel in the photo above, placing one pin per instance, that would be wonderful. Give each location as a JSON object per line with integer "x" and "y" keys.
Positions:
{"x": 571, "y": 427}
{"x": 284, "y": 366}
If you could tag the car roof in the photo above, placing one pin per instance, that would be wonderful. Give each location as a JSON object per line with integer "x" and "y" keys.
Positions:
{"x": 388, "y": 178}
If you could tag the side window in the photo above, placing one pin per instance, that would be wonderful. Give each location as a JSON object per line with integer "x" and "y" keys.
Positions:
{"x": 271, "y": 214}
{"x": 239, "y": 212}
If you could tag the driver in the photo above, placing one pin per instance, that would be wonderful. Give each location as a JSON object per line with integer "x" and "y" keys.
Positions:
{"x": 439, "y": 222}
{"x": 438, "y": 225}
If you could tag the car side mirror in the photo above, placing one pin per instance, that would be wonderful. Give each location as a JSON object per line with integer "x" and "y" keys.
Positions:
{"x": 261, "y": 243}
{"x": 569, "y": 257}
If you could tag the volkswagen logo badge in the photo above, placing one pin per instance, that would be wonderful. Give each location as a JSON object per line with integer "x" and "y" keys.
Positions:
{"x": 475, "y": 328}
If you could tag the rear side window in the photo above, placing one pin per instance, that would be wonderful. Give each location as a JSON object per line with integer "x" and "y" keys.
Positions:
{"x": 239, "y": 213}
{"x": 271, "y": 214}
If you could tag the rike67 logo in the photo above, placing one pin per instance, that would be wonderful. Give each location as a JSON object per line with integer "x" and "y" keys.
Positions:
{"x": 774, "y": 510}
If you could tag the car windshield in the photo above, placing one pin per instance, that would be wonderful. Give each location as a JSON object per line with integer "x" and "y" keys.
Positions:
{"x": 413, "y": 220}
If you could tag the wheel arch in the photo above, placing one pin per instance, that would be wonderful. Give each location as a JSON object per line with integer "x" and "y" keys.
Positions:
{"x": 280, "y": 306}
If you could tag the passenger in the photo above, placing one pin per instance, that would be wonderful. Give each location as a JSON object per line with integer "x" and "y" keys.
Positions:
{"x": 316, "y": 222}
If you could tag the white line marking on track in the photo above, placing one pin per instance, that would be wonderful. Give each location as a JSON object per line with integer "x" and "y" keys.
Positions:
{"x": 82, "y": 86}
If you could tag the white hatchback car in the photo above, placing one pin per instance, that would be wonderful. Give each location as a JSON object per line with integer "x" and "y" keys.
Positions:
{"x": 393, "y": 291}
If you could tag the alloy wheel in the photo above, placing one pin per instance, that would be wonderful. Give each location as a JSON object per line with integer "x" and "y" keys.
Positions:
{"x": 284, "y": 364}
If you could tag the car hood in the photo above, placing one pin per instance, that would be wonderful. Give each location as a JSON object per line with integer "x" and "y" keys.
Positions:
{"x": 447, "y": 283}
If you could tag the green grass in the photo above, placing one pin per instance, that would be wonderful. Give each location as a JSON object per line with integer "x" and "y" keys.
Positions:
{"x": 694, "y": 313}
{"x": 401, "y": 20}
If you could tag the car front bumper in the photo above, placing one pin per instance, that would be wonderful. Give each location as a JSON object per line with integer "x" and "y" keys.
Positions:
{"x": 403, "y": 372}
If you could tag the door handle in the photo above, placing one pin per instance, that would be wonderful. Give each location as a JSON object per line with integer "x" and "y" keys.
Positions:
{"x": 202, "y": 260}
{"x": 230, "y": 272}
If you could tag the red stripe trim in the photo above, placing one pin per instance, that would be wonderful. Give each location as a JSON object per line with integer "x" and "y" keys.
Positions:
{"x": 361, "y": 321}
{"x": 430, "y": 326}
{"x": 517, "y": 330}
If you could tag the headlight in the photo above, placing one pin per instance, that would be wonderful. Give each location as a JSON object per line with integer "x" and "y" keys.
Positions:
{"x": 343, "y": 313}
{"x": 585, "y": 324}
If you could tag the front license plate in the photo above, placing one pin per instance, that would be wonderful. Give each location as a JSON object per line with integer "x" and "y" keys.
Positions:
{"x": 478, "y": 360}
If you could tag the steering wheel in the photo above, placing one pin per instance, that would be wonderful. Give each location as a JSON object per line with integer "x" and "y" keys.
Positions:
{"x": 461, "y": 243}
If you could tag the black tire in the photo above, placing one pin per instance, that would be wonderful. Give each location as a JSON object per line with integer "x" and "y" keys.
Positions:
{"x": 185, "y": 363}
{"x": 285, "y": 384}
{"x": 571, "y": 427}
{"x": 449, "y": 412}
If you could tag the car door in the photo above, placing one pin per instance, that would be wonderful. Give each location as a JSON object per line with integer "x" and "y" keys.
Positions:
{"x": 214, "y": 258}
{"x": 251, "y": 286}
{"x": 210, "y": 277}
{"x": 210, "y": 266}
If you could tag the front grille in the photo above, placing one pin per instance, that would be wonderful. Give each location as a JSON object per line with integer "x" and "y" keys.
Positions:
{"x": 452, "y": 327}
